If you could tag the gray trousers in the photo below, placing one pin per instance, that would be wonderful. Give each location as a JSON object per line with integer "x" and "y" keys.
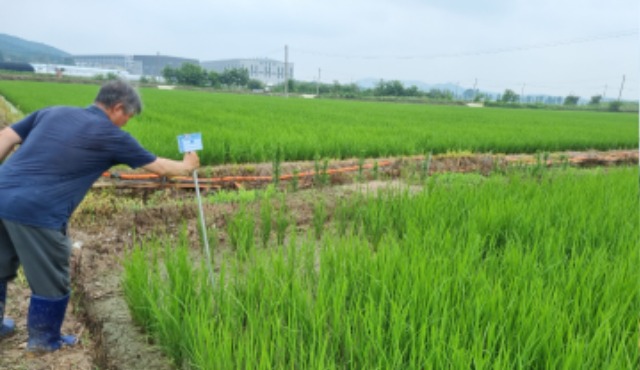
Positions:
{"x": 43, "y": 253}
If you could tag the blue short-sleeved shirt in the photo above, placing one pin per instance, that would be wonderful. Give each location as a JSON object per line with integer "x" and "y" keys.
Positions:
{"x": 64, "y": 151}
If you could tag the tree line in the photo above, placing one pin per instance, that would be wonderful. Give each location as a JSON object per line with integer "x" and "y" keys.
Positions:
{"x": 510, "y": 97}
{"x": 194, "y": 75}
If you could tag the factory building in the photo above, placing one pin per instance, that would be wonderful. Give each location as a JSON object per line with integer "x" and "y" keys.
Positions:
{"x": 140, "y": 65}
{"x": 270, "y": 72}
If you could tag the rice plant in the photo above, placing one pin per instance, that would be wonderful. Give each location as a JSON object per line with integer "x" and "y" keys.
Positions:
{"x": 507, "y": 272}
{"x": 246, "y": 128}
{"x": 283, "y": 221}
{"x": 241, "y": 231}
{"x": 266, "y": 210}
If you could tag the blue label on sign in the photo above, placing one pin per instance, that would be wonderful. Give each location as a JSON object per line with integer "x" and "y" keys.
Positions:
{"x": 190, "y": 142}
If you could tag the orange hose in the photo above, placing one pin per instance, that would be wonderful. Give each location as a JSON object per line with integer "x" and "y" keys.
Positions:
{"x": 151, "y": 176}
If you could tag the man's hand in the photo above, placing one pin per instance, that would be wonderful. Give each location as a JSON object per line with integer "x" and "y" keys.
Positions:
{"x": 191, "y": 160}
{"x": 169, "y": 167}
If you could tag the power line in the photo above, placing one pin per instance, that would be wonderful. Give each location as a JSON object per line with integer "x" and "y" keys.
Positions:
{"x": 579, "y": 40}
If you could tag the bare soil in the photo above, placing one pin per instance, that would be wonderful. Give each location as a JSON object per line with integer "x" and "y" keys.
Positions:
{"x": 104, "y": 231}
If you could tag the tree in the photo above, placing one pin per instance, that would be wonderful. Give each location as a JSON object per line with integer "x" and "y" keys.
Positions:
{"x": 234, "y": 77}
{"x": 595, "y": 100}
{"x": 291, "y": 85}
{"x": 615, "y": 106}
{"x": 336, "y": 88}
{"x": 214, "y": 78}
{"x": 391, "y": 88}
{"x": 170, "y": 74}
{"x": 187, "y": 74}
{"x": 412, "y": 91}
{"x": 254, "y": 84}
{"x": 469, "y": 94}
{"x": 438, "y": 94}
{"x": 509, "y": 96}
{"x": 351, "y": 89}
{"x": 571, "y": 100}
{"x": 191, "y": 74}
{"x": 481, "y": 97}
{"x": 379, "y": 90}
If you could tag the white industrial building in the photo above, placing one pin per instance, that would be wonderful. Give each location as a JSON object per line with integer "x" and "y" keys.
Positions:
{"x": 268, "y": 71}
{"x": 132, "y": 67}
{"x": 75, "y": 71}
{"x": 110, "y": 61}
{"x": 144, "y": 65}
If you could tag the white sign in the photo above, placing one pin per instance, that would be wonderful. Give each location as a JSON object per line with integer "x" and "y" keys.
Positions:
{"x": 190, "y": 142}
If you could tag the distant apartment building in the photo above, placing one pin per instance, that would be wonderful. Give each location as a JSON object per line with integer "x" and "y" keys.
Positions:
{"x": 141, "y": 65}
{"x": 269, "y": 71}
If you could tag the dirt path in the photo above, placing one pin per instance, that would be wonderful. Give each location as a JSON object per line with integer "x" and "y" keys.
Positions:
{"x": 12, "y": 350}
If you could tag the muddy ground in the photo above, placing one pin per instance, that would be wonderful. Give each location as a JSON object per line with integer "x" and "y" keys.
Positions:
{"x": 102, "y": 230}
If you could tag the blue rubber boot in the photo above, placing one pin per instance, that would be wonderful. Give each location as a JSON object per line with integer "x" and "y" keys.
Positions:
{"x": 7, "y": 326}
{"x": 44, "y": 322}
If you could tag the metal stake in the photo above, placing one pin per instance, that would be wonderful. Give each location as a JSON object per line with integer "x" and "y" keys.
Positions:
{"x": 203, "y": 226}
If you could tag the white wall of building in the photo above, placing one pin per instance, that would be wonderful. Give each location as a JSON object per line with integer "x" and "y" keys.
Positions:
{"x": 76, "y": 71}
{"x": 270, "y": 72}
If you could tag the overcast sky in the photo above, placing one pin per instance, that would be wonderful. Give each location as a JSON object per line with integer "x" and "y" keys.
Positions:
{"x": 558, "y": 47}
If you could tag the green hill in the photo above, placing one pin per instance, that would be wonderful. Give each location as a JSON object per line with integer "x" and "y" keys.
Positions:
{"x": 15, "y": 49}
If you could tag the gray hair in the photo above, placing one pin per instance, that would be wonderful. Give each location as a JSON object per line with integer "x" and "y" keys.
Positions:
{"x": 119, "y": 91}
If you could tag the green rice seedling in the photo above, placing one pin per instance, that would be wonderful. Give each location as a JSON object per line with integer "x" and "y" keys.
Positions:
{"x": 499, "y": 272}
{"x": 241, "y": 232}
{"x": 325, "y": 178}
{"x": 374, "y": 220}
{"x": 319, "y": 218}
{"x": 541, "y": 164}
{"x": 342, "y": 217}
{"x": 564, "y": 161}
{"x": 376, "y": 170}
{"x": 295, "y": 180}
{"x": 138, "y": 279}
{"x": 497, "y": 168}
{"x": 266, "y": 210}
{"x": 361, "y": 160}
{"x": 240, "y": 196}
{"x": 213, "y": 236}
{"x": 277, "y": 162}
{"x": 158, "y": 294}
{"x": 181, "y": 289}
{"x": 282, "y": 221}
{"x": 338, "y": 129}
{"x": 426, "y": 166}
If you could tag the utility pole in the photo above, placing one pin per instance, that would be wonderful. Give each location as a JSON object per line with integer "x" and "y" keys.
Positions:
{"x": 318, "y": 84}
{"x": 286, "y": 71}
{"x": 621, "y": 87}
{"x": 522, "y": 93}
{"x": 604, "y": 93}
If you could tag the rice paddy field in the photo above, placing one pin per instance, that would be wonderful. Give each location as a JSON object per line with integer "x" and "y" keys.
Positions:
{"x": 523, "y": 268}
{"x": 505, "y": 272}
{"x": 250, "y": 128}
